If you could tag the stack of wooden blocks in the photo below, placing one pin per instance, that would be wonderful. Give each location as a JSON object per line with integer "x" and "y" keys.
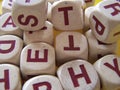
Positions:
{"x": 80, "y": 57}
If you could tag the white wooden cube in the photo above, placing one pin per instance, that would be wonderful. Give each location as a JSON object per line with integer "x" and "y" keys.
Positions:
{"x": 43, "y": 82}
{"x": 105, "y": 21}
{"x": 69, "y": 46}
{"x": 10, "y": 49}
{"x": 29, "y": 14}
{"x": 37, "y": 58}
{"x": 10, "y": 77}
{"x": 78, "y": 75}
{"x": 7, "y": 6}
{"x": 7, "y": 26}
{"x": 98, "y": 49}
{"x": 64, "y": 13}
{"x": 108, "y": 68}
{"x": 46, "y": 34}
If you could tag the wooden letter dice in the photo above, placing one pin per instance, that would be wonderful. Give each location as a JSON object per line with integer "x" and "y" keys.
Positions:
{"x": 43, "y": 35}
{"x": 64, "y": 15}
{"x": 7, "y": 6}
{"x": 29, "y": 14}
{"x": 10, "y": 78}
{"x": 108, "y": 68}
{"x": 43, "y": 82}
{"x": 7, "y": 26}
{"x": 10, "y": 49}
{"x": 69, "y": 46}
{"x": 98, "y": 49}
{"x": 105, "y": 21}
{"x": 78, "y": 75}
{"x": 37, "y": 58}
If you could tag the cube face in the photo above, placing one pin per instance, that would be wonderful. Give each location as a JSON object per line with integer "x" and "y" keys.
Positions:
{"x": 109, "y": 65}
{"x": 98, "y": 49}
{"x": 64, "y": 15}
{"x": 106, "y": 28}
{"x": 43, "y": 82}
{"x": 11, "y": 47}
{"x": 7, "y": 26}
{"x": 78, "y": 75}
{"x": 70, "y": 46}
{"x": 31, "y": 15}
{"x": 37, "y": 58}
{"x": 43, "y": 35}
{"x": 10, "y": 77}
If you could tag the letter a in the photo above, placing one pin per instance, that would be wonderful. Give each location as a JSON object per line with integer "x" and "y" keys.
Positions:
{"x": 9, "y": 21}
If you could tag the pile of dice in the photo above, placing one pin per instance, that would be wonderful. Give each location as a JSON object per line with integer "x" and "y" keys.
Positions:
{"x": 80, "y": 57}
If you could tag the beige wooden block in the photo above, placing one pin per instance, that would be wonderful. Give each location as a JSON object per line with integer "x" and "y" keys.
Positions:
{"x": 43, "y": 82}
{"x": 29, "y": 14}
{"x": 7, "y": 6}
{"x": 98, "y": 49}
{"x": 64, "y": 15}
{"x": 89, "y": 3}
{"x": 78, "y": 75}
{"x": 10, "y": 78}
{"x": 37, "y": 58}
{"x": 105, "y": 21}
{"x": 10, "y": 49}
{"x": 44, "y": 35}
{"x": 108, "y": 68}
{"x": 7, "y": 26}
{"x": 69, "y": 46}
{"x": 87, "y": 13}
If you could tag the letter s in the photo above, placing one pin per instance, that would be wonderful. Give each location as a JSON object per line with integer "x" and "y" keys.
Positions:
{"x": 27, "y": 21}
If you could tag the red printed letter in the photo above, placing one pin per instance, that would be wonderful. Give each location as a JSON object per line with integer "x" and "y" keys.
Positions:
{"x": 27, "y": 21}
{"x": 75, "y": 77}
{"x": 6, "y": 80}
{"x": 99, "y": 25}
{"x": 11, "y": 42}
{"x": 47, "y": 84}
{"x": 65, "y": 10}
{"x": 115, "y": 7}
{"x": 115, "y": 67}
{"x": 9, "y": 21}
{"x": 71, "y": 44}
{"x": 36, "y": 58}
